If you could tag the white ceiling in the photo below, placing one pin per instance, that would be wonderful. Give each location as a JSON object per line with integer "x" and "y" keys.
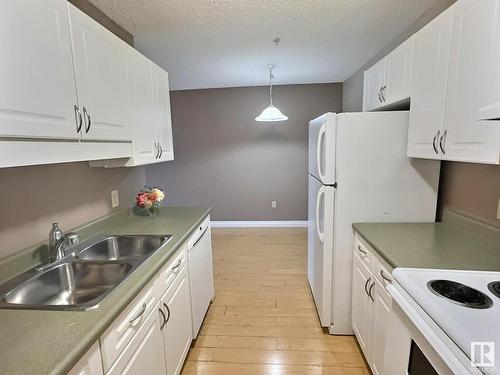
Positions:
{"x": 223, "y": 43}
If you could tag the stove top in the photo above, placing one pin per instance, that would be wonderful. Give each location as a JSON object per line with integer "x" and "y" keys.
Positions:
{"x": 464, "y": 304}
{"x": 460, "y": 294}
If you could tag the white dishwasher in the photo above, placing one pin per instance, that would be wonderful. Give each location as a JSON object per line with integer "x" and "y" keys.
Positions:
{"x": 201, "y": 275}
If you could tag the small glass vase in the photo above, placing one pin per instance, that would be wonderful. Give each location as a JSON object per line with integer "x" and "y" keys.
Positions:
{"x": 147, "y": 212}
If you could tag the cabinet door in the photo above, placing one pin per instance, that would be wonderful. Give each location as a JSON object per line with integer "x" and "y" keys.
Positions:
{"x": 380, "y": 316}
{"x": 142, "y": 108}
{"x": 145, "y": 353}
{"x": 164, "y": 119}
{"x": 100, "y": 67}
{"x": 468, "y": 139}
{"x": 177, "y": 333}
{"x": 37, "y": 90}
{"x": 374, "y": 81}
{"x": 428, "y": 94}
{"x": 399, "y": 70}
{"x": 90, "y": 364}
{"x": 361, "y": 303}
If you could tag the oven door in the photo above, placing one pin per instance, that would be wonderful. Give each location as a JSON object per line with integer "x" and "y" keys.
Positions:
{"x": 415, "y": 345}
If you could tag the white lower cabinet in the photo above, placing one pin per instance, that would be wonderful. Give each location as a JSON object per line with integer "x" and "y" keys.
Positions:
{"x": 145, "y": 352}
{"x": 371, "y": 304}
{"x": 177, "y": 329}
{"x": 90, "y": 364}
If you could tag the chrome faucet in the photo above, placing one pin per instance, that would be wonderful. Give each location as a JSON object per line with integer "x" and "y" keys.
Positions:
{"x": 58, "y": 244}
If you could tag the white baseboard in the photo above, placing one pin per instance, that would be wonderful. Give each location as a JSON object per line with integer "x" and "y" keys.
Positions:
{"x": 260, "y": 224}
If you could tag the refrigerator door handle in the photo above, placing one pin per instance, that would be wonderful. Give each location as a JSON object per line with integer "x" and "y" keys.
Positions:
{"x": 319, "y": 151}
{"x": 321, "y": 193}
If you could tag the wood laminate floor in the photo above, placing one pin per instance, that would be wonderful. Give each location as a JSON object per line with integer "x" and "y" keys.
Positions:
{"x": 263, "y": 319}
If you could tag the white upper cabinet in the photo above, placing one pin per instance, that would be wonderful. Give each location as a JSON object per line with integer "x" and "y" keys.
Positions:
{"x": 374, "y": 83}
{"x": 37, "y": 90}
{"x": 141, "y": 108}
{"x": 164, "y": 119}
{"x": 428, "y": 94}
{"x": 471, "y": 84}
{"x": 101, "y": 80}
{"x": 399, "y": 73}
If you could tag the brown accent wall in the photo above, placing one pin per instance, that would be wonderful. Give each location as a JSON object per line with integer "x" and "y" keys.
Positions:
{"x": 91, "y": 10}
{"x": 225, "y": 159}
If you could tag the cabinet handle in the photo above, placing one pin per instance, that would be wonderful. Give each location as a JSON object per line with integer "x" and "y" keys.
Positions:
{"x": 370, "y": 291}
{"x": 176, "y": 267}
{"x": 139, "y": 314}
{"x": 434, "y": 145}
{"x": 156, "y": 148}
{"x": 164, "y": 319}
{"x": 89, "y": 120}
{"x": 161, "y": 151}
{"x": 168, "y": 311}
{"x": 366, "y": 285}
{"x": 361, "y": 250}
{"x": 78, "y": 118}
{"x": 442, "y": 140}
{"x": 385, "y": 277}
{"x": 382, "y": 92}
{"x": 380, "y": 95}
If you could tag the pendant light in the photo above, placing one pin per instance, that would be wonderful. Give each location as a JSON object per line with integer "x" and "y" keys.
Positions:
{"x": 271, "y": 113}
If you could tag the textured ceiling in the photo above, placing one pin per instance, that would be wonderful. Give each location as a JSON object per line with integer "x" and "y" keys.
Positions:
{"x": 221, "y": 43}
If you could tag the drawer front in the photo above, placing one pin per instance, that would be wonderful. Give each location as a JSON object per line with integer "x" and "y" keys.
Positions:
{"x": 198, "y": 232}
{"x": 382, "y": 273}
{"x": 169, "y": 272}
{"x": 123, "y": 329}
{"x": 363, "y": 251}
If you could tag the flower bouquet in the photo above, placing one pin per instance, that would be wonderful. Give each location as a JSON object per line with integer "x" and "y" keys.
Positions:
{"x": 149, "y": 199}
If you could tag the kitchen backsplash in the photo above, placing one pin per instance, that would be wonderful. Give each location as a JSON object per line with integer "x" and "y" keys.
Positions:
{"x": 71, "y": 194}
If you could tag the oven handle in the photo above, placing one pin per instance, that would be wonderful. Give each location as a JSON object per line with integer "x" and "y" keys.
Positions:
{"x": 409, "y": 307}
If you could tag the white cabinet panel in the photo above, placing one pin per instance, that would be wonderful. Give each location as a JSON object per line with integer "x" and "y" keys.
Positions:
{"x": 37, "y": 91}
{"x": 100, "y": 68}
{"x": 361, "y": 303}
{"x": 145, "y": 353}
{"x": 177, "y": 332}
{"x": 472, "y": 47}
{"x": 141, "y": 108}
{"x": 399, "y": 71}
{"x": 90, "y": 364}
{"x": 164, "y": 119}
{"x": 374, "y": 82}
{"x": 380, "y": 316}
{"x": 428, "y": 93}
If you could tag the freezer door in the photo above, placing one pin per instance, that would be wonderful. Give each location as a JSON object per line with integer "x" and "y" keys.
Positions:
{"x": 322, "y": 148}
{"x": 320, "y": 246}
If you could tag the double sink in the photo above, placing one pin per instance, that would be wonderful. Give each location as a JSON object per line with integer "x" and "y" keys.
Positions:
{"x": 83, "y": 278}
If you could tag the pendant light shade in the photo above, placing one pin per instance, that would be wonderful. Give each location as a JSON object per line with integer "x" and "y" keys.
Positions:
{"x": 271, "y": 113}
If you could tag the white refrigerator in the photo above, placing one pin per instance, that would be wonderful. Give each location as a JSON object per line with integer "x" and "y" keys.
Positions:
{"x": 358, "y": 172}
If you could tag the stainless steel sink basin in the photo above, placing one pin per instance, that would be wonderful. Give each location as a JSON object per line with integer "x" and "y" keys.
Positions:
{"x": 122, "y": 247}
{"x": 82, "y": 278}
{"x": 77, "y": 284}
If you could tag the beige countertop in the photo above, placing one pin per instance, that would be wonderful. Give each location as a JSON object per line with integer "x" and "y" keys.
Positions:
{"x": 448, "y": 245}
{"x": 47, "y": 342}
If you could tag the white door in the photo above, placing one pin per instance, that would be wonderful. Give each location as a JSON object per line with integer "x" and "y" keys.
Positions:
{"x": 361, "y": 303}
{"x": 320, "y": 247}
{"x": 142, "y": 108}
{"x": 430, "y": 75}
{"x": 322, "y": 148}
{"x": 399, "y": 71}
{"x": 145, "y": 351}
{"x": 37, "y": 89}
{"x": 473, "y": 43}
{"x": 374, "y": 83}
{"x": 164, "y": 119}
{"x": 101, "y": 80}
{"x": 177, "y": 332}
{"x": 381, "y": 310}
